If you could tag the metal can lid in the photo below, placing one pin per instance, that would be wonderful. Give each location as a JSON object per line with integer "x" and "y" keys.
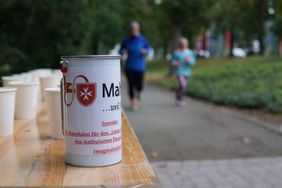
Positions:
{"x": 91, "y": 57}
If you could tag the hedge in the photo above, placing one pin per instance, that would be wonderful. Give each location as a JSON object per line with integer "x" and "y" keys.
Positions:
{"x": 252, "y": 82}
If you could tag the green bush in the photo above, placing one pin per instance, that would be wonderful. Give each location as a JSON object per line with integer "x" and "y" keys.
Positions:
{"x": 251, "y": 82}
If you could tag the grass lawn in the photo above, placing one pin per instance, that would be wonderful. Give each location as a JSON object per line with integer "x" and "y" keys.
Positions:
{"x": 254, "y": 82}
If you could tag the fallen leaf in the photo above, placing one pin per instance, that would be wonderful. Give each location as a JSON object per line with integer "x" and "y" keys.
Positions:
{"x": 154, "y": 154}
{"x": 246, "y": 140}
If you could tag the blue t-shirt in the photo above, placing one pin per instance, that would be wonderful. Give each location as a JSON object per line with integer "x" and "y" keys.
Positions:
{"x": 134, "y": 44}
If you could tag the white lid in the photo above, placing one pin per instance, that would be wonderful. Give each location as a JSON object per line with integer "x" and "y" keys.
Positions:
{"x": 52, "y": 89}
{"x": 11, "y": 77}
{"x": 48, "y": 76}
{"x": 91, "y": 57}
{"x": 7, "y": 89}
{"x": 22, "y": 83}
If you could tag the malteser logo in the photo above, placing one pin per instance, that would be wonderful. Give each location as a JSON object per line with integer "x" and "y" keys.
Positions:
{"x": 86, "y": 93}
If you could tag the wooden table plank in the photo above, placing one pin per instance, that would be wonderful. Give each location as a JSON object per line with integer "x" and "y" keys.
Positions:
{"x": 32, "y": 158}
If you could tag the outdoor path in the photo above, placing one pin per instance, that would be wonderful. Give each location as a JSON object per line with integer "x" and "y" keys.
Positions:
{"x": 203, "y": 145}
{"x": 198, "y": 131}
{"x": 231, "y": 173}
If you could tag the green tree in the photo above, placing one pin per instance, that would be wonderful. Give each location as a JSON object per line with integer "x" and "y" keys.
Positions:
{"x": 106, "y": 25}
{"x": 278, "y": 18}
{"x": 183, "y": 18}
{"x": 243, "y": 18}
{"x": 146, "y": 12}
{"x": 35, "y": 33}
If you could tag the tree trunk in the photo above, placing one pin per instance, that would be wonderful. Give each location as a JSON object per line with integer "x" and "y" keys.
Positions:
{"x": 176, "y": 34}
{"x": 231, "y": 43}
{"x": 261, "y": 16}
{"x": 165, "y": 50}
{"x": 95, "y": 47}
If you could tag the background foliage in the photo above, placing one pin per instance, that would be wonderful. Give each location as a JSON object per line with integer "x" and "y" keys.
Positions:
{"x": 35, "y": 33}
{"x": 253, "y": 82}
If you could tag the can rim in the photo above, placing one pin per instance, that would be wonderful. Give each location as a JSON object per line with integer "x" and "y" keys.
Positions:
{"x": 91, "y": 57}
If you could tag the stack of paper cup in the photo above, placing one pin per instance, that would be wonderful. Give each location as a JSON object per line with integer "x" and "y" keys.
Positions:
{"x": 57, "y": 73}
{"x": 26, "y": 99}
{"x": 35, "y": 79}
{"x": 53, "y": 99}
{"x": 7, "y": 109}
{"x": 41, "y": 72}
{"x": 48, "y": 82}
{"x": 7, "y": 79}
{"x": 36, "y": 74}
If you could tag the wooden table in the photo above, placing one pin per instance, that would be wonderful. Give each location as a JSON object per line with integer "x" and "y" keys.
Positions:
{"x": 32, "y": 158}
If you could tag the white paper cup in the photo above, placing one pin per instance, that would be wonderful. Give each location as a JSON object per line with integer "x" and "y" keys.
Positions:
{"x": 7, "y": 110}
{"x": 48, "y": 82}
{"x": 7, "y": 79}
{"x": 26, "y": 99}
{"x": 35, "y": 79}
{"x": 27, "y": 77}
{"x": 57, "y": 73}
{"x": 41, "y": 72}
{"x": 53, "y": 99}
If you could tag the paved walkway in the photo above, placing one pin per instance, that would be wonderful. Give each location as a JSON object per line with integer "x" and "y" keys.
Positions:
{"x": 198, "y": 131}
{"x": 203, "y": 145}
{"x": 233, "y": 173}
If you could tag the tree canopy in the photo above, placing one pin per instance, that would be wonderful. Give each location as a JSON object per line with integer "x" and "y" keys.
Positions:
{"x": 35, "y": 33}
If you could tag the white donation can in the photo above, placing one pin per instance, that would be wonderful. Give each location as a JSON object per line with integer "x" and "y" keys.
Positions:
{"x": 91, "y": 109}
